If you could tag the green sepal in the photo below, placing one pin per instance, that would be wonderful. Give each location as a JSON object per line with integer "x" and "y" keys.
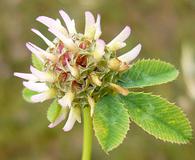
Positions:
{"x": 27, "y": 94}
{"x": 37, "y": 63}
{"x": 53, "y": 111}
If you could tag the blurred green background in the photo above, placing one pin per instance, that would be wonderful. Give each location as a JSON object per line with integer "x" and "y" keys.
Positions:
{"x": 162, "y": 27}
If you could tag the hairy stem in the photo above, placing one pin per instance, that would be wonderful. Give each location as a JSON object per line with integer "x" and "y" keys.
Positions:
{"x": 87, "y": 134}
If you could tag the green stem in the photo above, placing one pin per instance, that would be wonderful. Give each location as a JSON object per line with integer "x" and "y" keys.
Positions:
{"x": 87, "y": 134}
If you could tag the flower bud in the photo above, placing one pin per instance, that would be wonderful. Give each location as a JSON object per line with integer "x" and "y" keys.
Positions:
{"x": 123, "y": 67}
{"x": 119, "y": 89}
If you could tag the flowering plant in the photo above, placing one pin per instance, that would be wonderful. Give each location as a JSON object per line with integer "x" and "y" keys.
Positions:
{"x": 83, "y": 74}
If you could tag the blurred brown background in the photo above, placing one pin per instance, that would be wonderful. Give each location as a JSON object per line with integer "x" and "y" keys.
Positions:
{"x": 162, "y": 27}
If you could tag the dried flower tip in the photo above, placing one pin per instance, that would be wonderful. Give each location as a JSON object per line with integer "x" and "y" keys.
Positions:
{"x": 123, "y": 67}
{"x": 95, "y": 79}
{"x": 73, "y": 70}
{"x": 114, "y": 64}
{"x": 91, "y": 104}
{"x": 119, "y": 89}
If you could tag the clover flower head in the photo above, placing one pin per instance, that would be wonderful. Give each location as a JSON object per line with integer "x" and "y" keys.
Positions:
{"x": 76, "y": 69}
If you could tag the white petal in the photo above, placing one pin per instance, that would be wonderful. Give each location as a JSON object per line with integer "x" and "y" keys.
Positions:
{"x": 67, "y": 41}
{"x": 66, "y": 101}
{"x": 98, "y": 31}
{"x": 62, "y": 115}
{"x": 38, "y": 87}
{"x": 74, "y": 116}
{"x": 89, "y": 25}
{"x": 37, "y": 53}
{"x": 52, "y": 23}
{"x": 99, "y": 49}
{"x": 123, "y": 35}
{"x": 43, "y": 96}
{"x": 26, "y": 76}
{"x": 46, "y": 40}
{"x": 40, "y": 53}
{"x": 118, "y": 41}
{"x": 42, "y": 76}
{"x": 131, "y": 55}
{"x": 69, "y": 23}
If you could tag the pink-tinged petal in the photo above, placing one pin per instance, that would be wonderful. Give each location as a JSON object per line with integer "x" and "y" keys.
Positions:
{"x": 99, "y": 49}
{"x": 62, "y": 116}
{"x": 52, "y": 23}
{"x": 70, "y": 24}
{"x": 43, "y": 96}
{"x": 74, "y": 116}
{"x": 100, "y": 45}
{"x": 67, "y": 41}
{"x": 89, "y": 25}
{"x": 98, "y": 31}
{"x": 46, "y": 40}
{"x": 131, "y": 55}
{"x": 26, "y": 76}
{"x": 38, "y": 87}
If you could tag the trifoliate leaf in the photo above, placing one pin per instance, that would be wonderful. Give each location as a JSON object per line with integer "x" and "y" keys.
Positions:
{"x": 111, "y": 122}
{"x": 158, "y": 117}
{"x": 53, "y": 111}
{"x": 148, "y": 73}
{"x": 37, "y": 63}
{"x": 27, "y": 94}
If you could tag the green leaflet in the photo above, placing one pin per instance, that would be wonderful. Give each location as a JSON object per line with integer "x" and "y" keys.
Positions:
{"x": 53, "y": 111}
{"x": 37, "y": 63}
{"x": 111, "y": 122}
{"x": 27, "y": 94}
{"x": 148, "y": 73}
{"x": 158, "y": 117}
